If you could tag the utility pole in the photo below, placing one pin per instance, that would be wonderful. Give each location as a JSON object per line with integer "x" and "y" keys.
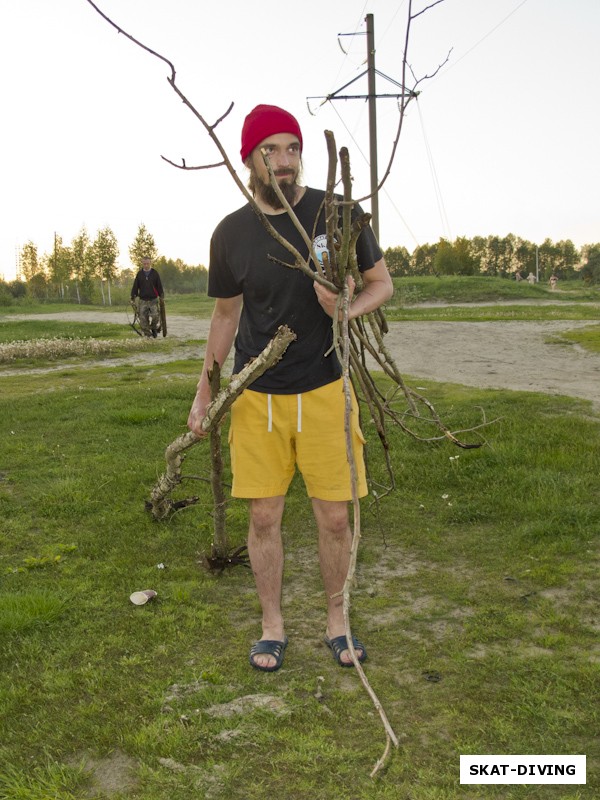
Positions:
{"x": 372, "y": 98}
{"x": 372, "y": 123}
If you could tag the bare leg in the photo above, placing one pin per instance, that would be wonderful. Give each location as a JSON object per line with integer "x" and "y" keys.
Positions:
{"x": 265, "y": 549}
{"x": 335, "y": 542}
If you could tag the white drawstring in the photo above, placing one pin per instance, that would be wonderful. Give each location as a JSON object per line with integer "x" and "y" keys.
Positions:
{"x": 270, "y": 413}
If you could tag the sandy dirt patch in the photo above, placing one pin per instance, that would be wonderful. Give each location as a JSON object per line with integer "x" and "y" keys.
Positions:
{"x": 498, "y": 355}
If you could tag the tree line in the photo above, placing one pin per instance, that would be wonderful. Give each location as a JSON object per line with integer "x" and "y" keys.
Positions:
{"x": 497, "y": 256}
{"x": 86, "y": 270}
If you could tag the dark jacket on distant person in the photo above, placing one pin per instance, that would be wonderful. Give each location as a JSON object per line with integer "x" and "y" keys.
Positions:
{"x": 147, "y": 285}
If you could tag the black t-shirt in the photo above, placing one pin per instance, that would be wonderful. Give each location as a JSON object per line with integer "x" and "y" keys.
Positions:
{"x": 274, "y": 294}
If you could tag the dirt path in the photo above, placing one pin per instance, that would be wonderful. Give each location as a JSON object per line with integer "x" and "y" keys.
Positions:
{"x": 501, "y": 355}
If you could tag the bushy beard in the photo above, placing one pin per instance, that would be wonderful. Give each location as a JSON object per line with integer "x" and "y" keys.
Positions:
{"x": 268, "y": 194}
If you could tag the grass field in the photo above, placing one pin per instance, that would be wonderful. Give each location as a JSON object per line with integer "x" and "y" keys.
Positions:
{"x": 477, "y": 597}
{"x": 483, "y": 289}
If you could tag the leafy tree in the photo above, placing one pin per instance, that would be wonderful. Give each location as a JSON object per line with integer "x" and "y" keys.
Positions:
{"x": 422, "y": 259}
{"x": 125, "y": 277}
{"x": 454, "y": 258}
{"x": 397, "y": 260}
{"x": 170, "y": 272}
{"x": 560, "y": 258}
{"x": 82, "y": 265}
{"x": 478, "y": 250}
{"x": 105, "y": 251}
{"x": 59, "y": 265}
{"x": 37, "y": 286}
{"x": 525, "y": 257}
{"x": 570, "y": 258}
{"x": 6, "y": 297}
{"x": 590, "y": 271}
{"x": 143, "y": 246}
{"x": 17, "y": 288}
{"x": 29, "y": 262}
{"x": 500, "y": 256}
{"x": 467, "y": 264}
{"x": 445, "y": 261}
{"x": 178, "y": 277}
{"x": 548, "y": 258}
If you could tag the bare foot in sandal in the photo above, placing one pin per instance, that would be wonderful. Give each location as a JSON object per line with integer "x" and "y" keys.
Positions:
{"x": 339, "y": 647}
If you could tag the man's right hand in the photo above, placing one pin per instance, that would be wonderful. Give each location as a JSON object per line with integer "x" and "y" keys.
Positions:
{"x": 198, "y": 412}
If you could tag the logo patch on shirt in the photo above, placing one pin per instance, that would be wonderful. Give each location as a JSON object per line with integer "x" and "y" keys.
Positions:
{"x": 320, "y": 246}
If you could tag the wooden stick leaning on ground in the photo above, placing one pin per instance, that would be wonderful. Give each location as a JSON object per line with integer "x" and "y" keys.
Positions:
{"x": 391, "y": 737}
{"x": 160, "y": 504}
{"x": 341, "y": 332}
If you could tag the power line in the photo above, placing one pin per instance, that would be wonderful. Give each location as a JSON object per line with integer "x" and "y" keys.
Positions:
{"x": 483, "y": 38}
{"x": 391, "y": 22}
{"x": 436, "y": 184}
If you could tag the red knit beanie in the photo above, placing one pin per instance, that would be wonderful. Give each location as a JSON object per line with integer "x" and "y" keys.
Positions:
{"x": 265, "y": 121}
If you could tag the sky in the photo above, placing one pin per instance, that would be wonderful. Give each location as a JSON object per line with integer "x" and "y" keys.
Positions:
{"x": 503, "y": 139}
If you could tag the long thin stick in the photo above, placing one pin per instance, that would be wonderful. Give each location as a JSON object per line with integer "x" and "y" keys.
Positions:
{"x": 348, "y": 583}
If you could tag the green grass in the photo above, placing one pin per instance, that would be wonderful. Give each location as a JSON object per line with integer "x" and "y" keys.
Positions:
{"x": 483, "y": 289}
{"x": 460, "y": 299}
{"x": 493, "y": 313}
{"x": 589, "y": 338}
{"x": 481, "y": 568}
{"x": 188, "y": 304}
{"x": 18, "y": 612}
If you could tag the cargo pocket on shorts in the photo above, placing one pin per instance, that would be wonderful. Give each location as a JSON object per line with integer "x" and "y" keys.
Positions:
{"x": 357, "y": 430}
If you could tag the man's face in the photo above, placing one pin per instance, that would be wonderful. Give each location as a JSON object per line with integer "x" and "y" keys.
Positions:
{"x": 146, "y": 264}
{"x": 283, "y": 152}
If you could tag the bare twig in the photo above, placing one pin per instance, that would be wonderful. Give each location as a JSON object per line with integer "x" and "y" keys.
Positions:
{"x": 186, "y": 167}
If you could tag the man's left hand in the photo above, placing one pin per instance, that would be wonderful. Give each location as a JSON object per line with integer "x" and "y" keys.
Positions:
{"x": 328, "y": 299}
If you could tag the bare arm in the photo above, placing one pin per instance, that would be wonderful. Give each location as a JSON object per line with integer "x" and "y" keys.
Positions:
{"x": 378, "y": 288}
{"x": 223, "y": 327}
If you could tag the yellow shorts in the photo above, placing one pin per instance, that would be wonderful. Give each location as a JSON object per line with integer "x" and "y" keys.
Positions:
{"x": 270, "y": 434}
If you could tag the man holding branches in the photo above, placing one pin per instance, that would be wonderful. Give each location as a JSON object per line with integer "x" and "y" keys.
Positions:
{"x": 293, "y": 415}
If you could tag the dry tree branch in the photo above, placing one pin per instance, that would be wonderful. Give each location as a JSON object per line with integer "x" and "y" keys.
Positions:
{"x": 160, "y": 504}
{"x": 356, "y": 534}
{"x": 210, "y": 129}
{"x": 423, "y": 10}
{"x": 345, "y": 360}
{"x": 134, "y": 40}
{"x": 186, "y": 167}
{"x": 299, "y": 262}
{"x": 220, "y": 545}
